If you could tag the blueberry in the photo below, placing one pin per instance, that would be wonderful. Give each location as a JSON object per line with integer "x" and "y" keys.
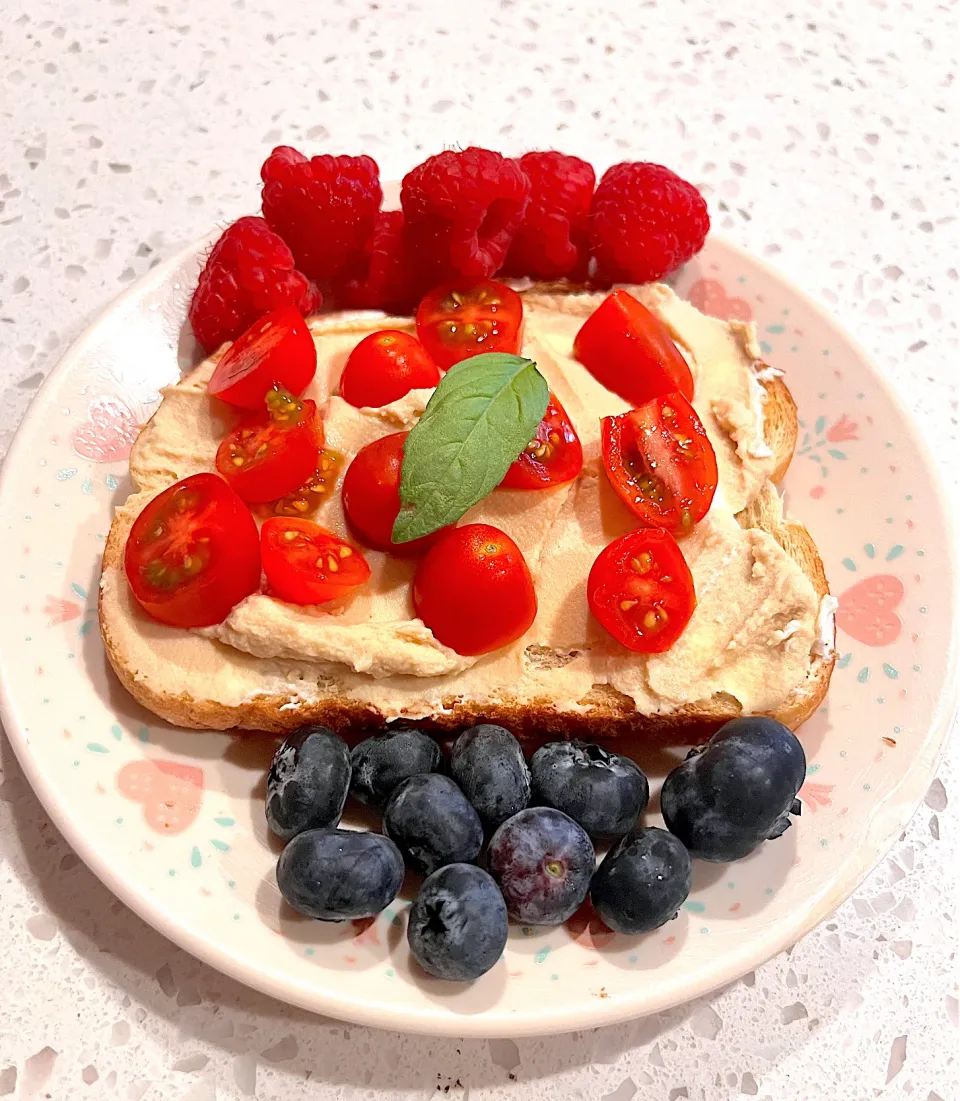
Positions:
{"x": 602, "y": 791}
{"x": 432, "y": 823}
{"x": 308, "y": 781}
{"x": 642, "y": 881}
{"x": 458, "y": 924}
{"x": 542, "y": 861}
{"x": 339, "y": 875}
{"x": 487, "y": 762}
{"x": 381, "y": 762}
{"x": 736, "y": 791}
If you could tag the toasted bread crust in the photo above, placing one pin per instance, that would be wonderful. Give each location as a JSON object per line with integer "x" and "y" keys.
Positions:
{"x": 610, "y": 713}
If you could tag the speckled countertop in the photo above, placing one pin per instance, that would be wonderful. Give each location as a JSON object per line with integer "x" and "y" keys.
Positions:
{"x": 824, "y": 137}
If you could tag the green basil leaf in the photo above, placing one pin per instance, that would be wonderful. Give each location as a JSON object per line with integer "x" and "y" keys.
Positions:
{"x": 482, "y": 415}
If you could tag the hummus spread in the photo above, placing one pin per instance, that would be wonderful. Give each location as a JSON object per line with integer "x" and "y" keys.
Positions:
{"x": 757, "y": 620}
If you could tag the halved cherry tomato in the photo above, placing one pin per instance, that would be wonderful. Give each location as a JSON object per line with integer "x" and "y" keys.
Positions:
{"x": 629, "y": 350}
{"x": 306, "y": 499}
{"x": 270, "y": 454}
{"x": 306, "y": 564}
{"x": 193, "y": 553}
{"x": 641, "y": 590}
{"x": 371, "y": 496}
{"x": 554, "y": 455}
{"x": 276, "y": 349}
{"x": 474, "y": 591}
{"x": 384, "y": 366}
{"x": 466, "y": 317}
{"x": 661, "y": 463}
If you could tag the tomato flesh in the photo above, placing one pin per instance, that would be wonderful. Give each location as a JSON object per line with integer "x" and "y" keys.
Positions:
{"x": 661, "y": 463}
{"x": 641, "y": 590}
{"x": 276, "y": 349}
{"x": 307, "y": 498}
{"x": 273, "y": 453}
{"x": 384, "y": 366}
{"x": 371, "y": 496}
{"x": 629, "y": 350}
{"x": 466, "y": 317}
{"x": 553, "y": 457}
{"x": 474, "y": 591}
{"x": 306, "y": 564}
{"x": 193, "y": 553}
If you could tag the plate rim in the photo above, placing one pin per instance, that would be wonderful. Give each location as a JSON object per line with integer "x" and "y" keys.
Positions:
{"x": 493, "y": 1023}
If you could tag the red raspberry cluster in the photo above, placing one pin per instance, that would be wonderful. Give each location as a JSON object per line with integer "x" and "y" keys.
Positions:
{"x": 472, "y": 213}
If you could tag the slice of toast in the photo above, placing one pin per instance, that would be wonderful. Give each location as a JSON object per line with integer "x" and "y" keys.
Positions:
{"x": 242, "y": 690}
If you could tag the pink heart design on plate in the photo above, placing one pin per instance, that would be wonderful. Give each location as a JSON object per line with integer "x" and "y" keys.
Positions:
{"x": 108, "y": 432}
{"x": 866, "y": 612}
{"x": 171, "y": 793}
{"x": 709, "y": 296}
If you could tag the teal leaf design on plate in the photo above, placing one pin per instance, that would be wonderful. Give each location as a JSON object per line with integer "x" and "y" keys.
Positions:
{"x": 143, "y": 734}
{"x": 864, "y": 675}
{"x": 776, "y": 329}
{"x": 894, "y": 552}
{"x": 195, "y": 858}
{"x": 116, "y": 731}
{"x": 891, "y": 672}
{"x": 850, "y": 564}
{"x": 84, "y": 627}
{"x": 220, "y": 846}
{"x": 695, "y": 907}
{"x": 820, "y": 425}
{"x": 843, "y": 661}
{"x": 542, "y": 954}
{"x": 87, "y": 486}
{"x": 765, "y": 347}
{"x": 79, "y": 590}
{"x": 869, "y": 550}
{"x": 835, "y": 454}
{"x": 111, "y": 482}
{"x": 67, "y": 472}
{"x": 96, "y": 747}
{"x": 224, "y": 821}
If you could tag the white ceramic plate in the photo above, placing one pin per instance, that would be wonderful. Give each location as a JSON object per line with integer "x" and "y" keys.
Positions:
{"x": 172, "y": 821}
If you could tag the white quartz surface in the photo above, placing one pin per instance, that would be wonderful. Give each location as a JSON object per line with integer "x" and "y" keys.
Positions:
{"x": 824, "y": 135}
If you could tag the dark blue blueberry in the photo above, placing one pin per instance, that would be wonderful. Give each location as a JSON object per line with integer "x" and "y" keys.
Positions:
{"x": 308, "y": 782}
{"x": 602, "y": 791}
{"x": 542, "y": 861}
{"x": 339, "y": 875}
{"x": 432, "y": 823}
{"x": 458, "y": 924}
{"x": 736, "y": 791}
{"x": 381, "y": 762}
{"x": 642, "y": 882}
{"x": 487, "y": 762}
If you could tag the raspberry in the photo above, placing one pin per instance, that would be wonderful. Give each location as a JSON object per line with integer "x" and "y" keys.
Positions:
{"x": 323, "y": 208}
{"x": 248, "y": 272}
{"x": 390, "y": 278}
{"x": 644, "y": 222}
{"x": 462, "y": 210}
{"x": 552, "y": 241}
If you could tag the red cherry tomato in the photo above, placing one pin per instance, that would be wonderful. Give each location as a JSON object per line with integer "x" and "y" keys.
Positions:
{"x": 371, "y": 496}
{"x": 641, "y": 590}
{"x": 306, "y": 564}
{"x": 384, "y": 366}
{"x": 629, "y": 350}
{"x": 554, "y": 455}
{"x": 474, "y": 591}
{"x": 465, "y": 317}
{"x": 193, "y": 553}
{"x": 276, "y": 349}
{"x": 661, "y": 463}
{"x": 270, "y": 454}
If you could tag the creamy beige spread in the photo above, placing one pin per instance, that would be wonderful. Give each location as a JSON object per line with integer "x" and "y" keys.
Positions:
{"x": 758, "y": 619}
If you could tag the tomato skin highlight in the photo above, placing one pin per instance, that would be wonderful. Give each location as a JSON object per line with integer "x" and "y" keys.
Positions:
{"x": 474, "y": 591}
{"x": 307, "y": 564}
{"x": 641, "y": 591}
{"x": 629, "y": 350}
{"x": 270, "y": 454}
{"x": 467, "y": 317}
{"x": 277, "y": 348}
{"x": 384, "y": 366}
{"x": 552, "y": 458}
{"x": 371, "y": 497}
{"x": 193, "y": 553}
{"x": 661, "y": 463}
